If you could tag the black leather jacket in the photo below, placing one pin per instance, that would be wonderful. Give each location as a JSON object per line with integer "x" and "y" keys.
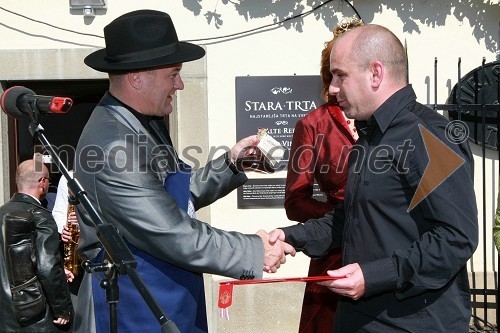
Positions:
{"x": 49, "y": 269}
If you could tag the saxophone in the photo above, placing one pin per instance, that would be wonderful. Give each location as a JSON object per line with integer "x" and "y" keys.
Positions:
{"x": 72, "y": 259}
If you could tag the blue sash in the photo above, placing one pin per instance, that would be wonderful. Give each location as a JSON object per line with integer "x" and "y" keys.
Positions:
{"x": 180, "y": 293}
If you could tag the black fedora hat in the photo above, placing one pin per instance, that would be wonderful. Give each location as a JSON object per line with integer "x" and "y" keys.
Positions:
{"x": 139, "y": 40}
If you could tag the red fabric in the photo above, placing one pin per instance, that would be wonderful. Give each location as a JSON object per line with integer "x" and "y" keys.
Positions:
{"x": 320, "y": 148}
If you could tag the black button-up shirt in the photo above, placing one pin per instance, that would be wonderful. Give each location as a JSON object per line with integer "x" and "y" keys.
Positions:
{"x": 413, "y": 260}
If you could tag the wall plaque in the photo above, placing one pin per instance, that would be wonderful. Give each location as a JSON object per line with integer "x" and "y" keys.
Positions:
{"x": 275, "y": 103}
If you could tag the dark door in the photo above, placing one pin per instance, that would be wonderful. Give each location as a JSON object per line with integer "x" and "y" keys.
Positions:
{"x": 61, "y": 130}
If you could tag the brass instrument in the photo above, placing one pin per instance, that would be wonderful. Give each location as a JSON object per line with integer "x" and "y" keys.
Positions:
{"x": 72, "y": 259}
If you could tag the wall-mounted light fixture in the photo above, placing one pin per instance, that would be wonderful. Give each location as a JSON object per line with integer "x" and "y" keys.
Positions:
{"x": 87, "y": 6}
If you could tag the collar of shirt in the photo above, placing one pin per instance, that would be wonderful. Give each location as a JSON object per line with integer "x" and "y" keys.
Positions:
{"x": 36, "y": 199}
{"x": 153, "y": 124}
{"x": 386, "y": 113}
{"x": 143, "y": 119}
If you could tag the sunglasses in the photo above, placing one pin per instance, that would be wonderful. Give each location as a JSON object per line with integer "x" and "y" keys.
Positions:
{"x": 43, "y": 178}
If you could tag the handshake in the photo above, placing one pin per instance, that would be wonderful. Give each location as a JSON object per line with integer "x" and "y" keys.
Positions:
{"x": 275, "y": 249}
{"x": 347, "y": 281}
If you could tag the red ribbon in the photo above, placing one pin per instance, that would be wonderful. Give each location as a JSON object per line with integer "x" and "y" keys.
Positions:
{"x": 226, "y": 287}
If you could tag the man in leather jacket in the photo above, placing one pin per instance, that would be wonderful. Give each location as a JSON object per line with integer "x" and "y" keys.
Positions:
{"x": 32, "y": 179}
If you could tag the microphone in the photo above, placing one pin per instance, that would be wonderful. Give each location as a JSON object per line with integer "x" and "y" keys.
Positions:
{"x": 18, "y": 100}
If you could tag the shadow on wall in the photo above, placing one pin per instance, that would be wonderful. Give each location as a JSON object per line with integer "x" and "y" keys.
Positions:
{"x": 481, "y": 17}
{"x": 289, "y": 14}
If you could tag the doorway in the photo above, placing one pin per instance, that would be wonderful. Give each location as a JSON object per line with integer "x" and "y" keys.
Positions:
{"x": 61, "y": 130}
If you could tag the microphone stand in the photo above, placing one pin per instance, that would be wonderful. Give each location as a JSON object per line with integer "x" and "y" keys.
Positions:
{"x": 122, "y": 261}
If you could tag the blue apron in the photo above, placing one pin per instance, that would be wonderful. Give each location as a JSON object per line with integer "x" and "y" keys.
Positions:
{"x": 180, "y": 293}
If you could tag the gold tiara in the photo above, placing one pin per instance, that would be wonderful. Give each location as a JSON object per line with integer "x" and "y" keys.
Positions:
{"x": 345, "y": 24}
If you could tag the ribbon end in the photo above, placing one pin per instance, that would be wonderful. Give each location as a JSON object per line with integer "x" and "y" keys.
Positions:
{"x": 225, "y": 299}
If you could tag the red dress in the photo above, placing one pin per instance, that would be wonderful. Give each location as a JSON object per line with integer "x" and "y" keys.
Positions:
{"x": 320, "y": 147}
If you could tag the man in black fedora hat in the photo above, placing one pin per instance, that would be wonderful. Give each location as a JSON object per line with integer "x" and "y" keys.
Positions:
{"x": 133, "y": 176}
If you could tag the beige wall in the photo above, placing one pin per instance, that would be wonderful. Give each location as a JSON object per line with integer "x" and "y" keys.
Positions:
{"x": 205, "y": 111}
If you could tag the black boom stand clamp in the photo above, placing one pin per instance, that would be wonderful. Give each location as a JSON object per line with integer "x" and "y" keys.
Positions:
{"x": 120, "y": 260}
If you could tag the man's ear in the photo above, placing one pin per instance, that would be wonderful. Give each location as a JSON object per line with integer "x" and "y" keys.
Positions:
{"x": 135, "y": 80}
{"x": 377, "y": 73}
{"x": 42, "y": 186}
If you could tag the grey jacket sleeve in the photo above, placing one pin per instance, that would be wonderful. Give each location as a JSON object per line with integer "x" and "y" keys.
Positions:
{"x": 149, "y": 218}
{"x": 214, "y": 181}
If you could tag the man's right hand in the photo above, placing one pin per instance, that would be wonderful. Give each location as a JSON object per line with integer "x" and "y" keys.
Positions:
{"x": 275, "y": 252}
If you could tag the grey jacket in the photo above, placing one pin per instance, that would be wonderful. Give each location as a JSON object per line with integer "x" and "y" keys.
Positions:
{"x": 122, "y": 168}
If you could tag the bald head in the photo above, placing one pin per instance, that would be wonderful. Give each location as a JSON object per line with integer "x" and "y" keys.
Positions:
{"x": 368, "y": 66}
{"x": 373, "y": 42}
{"x": 32, "y": 178}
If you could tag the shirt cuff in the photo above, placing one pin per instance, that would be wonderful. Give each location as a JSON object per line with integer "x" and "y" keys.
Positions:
{"x": 295, "y": 236}
{"x": 380, "y": 276}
